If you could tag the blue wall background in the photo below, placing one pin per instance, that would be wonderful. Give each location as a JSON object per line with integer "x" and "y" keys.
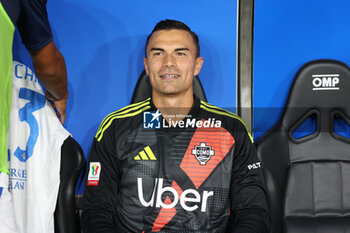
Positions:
{"x": 287, "y": 34}
{"x": 103, "y": 45}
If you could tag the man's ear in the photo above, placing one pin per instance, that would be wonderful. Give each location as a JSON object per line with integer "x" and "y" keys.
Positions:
{"x": 199, "y": 64}
{"x": 145, "y": 64}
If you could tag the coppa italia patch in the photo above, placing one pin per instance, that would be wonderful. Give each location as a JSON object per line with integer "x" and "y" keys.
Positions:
{"x": 94, "y": 174}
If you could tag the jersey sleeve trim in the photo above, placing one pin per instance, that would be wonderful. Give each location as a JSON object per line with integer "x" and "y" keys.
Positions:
{"x": 220, "y": 111}
{"x": 107, "y": 118}
{"x": 127, "y": 111}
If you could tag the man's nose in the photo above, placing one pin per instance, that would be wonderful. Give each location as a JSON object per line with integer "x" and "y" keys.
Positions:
{"x": 169, "y": 61}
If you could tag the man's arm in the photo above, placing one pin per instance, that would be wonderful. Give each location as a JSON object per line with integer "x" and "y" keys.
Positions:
{"x": 101, "y": 187}
{"x": 248, "y": 197}
{"x": 50, "y": 68}
{"x": 48, "y": 62}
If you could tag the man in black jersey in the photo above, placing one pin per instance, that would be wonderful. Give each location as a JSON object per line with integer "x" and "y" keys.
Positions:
{"x": 173, "y": 163}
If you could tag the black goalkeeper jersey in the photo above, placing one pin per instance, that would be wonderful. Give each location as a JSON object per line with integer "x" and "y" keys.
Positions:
{"x": 200, "y": 174}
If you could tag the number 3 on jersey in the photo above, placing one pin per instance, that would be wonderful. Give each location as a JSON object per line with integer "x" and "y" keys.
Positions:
{"x": 36, "y": 102}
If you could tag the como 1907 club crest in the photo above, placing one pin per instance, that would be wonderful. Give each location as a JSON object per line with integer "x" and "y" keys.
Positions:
{"x": 203, "y": 153}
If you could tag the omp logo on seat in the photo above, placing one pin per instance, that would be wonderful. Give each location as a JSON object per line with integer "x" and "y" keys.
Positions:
{"x": 322, "y": 82}
{"x": 145, "y": 154}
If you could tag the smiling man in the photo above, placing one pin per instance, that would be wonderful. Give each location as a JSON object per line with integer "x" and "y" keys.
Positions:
{"x": 172, "y": 59}
{"x": 173, "y": 163}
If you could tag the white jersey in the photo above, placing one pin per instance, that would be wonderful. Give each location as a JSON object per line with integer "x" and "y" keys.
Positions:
{"x": 34, "y": 141}
{"x": 7, "y": 216}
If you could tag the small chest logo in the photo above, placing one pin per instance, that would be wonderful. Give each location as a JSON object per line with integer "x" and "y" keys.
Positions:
{"x": 203, "y": 153}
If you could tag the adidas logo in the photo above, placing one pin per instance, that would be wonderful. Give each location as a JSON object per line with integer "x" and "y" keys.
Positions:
{"x": 145, "y": 154}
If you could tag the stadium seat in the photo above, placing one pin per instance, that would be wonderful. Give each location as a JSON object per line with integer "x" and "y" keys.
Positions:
{"x": 72, "y": 160}
{"x": 143, "y": 88}
{"x": 307, "y": 171}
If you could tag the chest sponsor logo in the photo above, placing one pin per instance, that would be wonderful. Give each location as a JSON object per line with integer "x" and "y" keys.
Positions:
{"x": 321, "y": 82}
{"x": 190, "y": 199}
{"x": 94, "y": 174}
{"x": 203, "y": 153}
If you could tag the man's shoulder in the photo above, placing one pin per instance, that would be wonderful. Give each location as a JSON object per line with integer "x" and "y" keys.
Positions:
{"x": 127, "y": 112}
{"x": 217, "y": 111}
{"x": 225, "y": 115}
{"x": 131, "y": 109}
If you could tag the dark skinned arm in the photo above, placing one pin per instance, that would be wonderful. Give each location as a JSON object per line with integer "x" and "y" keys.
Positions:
{"x": 50, "y": 68}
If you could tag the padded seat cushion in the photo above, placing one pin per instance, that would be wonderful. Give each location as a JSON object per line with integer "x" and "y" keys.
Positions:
{"x": 317, "y": 225}
{"x": 318, "y": 189}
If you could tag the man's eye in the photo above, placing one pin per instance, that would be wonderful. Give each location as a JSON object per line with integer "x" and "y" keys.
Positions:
{"x": 158, "y": 53}
{"x": 180, "y": 53}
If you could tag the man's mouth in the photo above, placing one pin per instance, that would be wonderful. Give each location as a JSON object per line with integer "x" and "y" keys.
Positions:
{"x": 169, "y": 76}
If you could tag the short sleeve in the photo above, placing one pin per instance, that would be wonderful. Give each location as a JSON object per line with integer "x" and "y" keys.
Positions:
{"x": 33, "y": 24}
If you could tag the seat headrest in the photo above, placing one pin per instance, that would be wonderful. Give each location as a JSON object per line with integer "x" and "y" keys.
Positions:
{"x": 321, "y": 87}
{"x": 143, "y": 89}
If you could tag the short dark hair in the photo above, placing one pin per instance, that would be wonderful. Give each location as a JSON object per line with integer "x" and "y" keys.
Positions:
{"x": 169, "y": 24}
